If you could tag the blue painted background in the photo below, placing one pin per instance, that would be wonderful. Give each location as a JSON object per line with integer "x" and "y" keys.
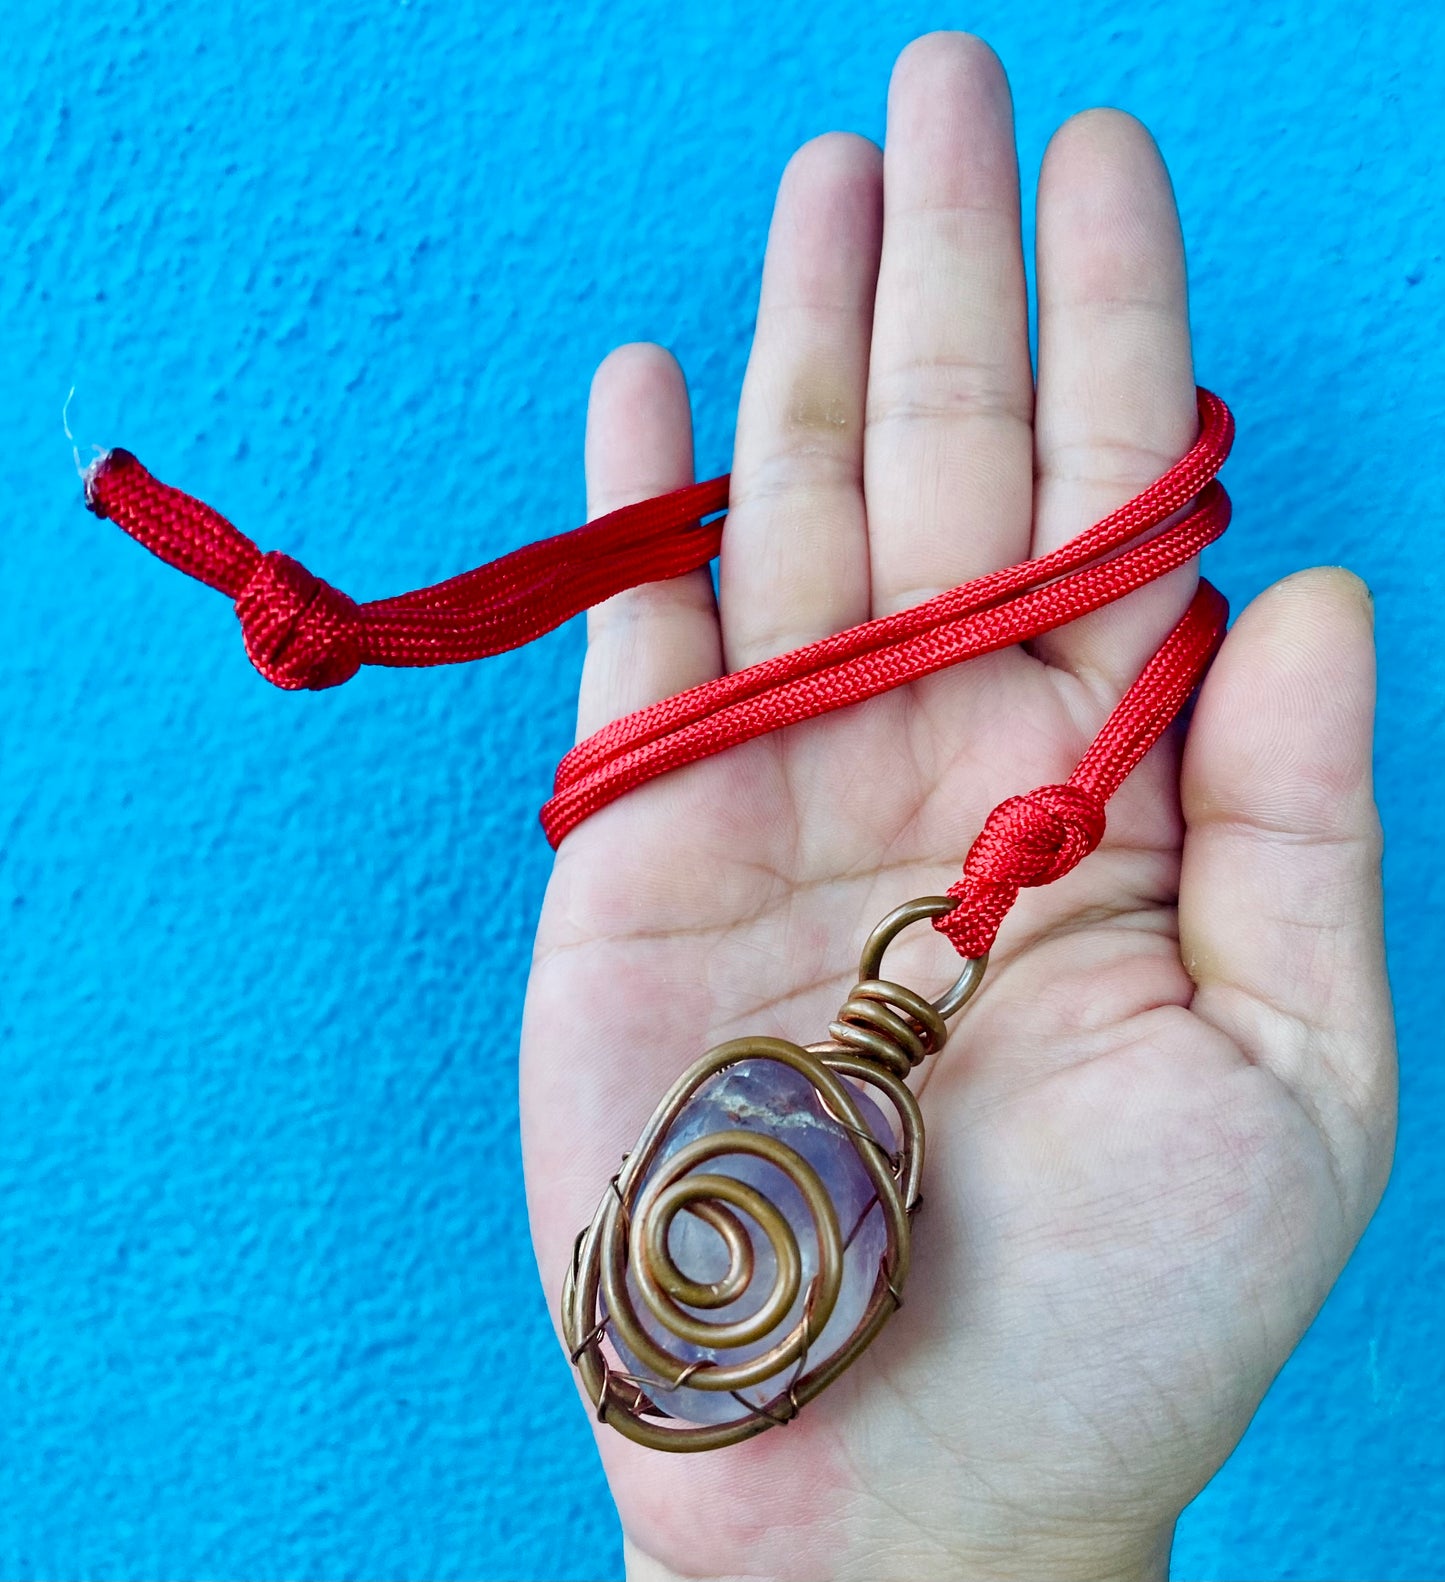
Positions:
{"x": 345, "y": 269}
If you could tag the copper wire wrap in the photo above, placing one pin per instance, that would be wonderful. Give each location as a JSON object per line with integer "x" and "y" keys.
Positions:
{"x": 881, "y": 1033}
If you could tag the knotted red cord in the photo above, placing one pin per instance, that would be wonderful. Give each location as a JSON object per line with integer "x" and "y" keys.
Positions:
{"x": 300, "y": 632}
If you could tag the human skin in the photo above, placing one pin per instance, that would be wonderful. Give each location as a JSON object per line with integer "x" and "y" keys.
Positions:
{"x": 1157, "y": 1133}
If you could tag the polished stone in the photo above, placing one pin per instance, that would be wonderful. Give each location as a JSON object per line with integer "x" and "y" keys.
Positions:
{"x": 765, "y": 1096}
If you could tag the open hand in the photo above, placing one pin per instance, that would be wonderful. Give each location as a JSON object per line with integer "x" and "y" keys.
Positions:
{"x": 1162, "y": 1125}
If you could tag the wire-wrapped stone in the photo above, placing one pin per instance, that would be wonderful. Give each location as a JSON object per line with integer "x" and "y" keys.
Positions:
{"x": 757, "y": 1241}
{"x": 753, "y": 1243}
{"x": 757, "y": 1238}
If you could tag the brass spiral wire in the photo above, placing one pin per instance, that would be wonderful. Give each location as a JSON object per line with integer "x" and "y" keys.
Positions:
{"x": 662, "y": 1287}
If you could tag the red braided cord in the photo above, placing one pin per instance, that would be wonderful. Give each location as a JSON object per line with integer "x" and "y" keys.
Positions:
{"x": 301, "y": 632}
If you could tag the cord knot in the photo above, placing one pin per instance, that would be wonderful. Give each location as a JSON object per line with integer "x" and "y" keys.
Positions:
{"x": 300, "y": 632}
{"x": 1036, "y": 838}
{"x": 1027, "y": 840}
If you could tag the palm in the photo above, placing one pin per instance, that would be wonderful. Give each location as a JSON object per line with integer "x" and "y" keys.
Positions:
{"x": 1131, "y": 1210}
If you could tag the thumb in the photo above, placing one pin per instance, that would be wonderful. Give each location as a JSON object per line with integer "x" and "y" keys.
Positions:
{"x": 1280, "y": 913}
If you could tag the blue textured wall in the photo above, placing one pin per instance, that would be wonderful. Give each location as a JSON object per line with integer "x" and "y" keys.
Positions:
{"x": 345, "y": 269}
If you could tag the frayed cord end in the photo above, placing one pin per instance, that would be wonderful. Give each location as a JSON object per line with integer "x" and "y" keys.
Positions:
{"x": 91, "y": 474}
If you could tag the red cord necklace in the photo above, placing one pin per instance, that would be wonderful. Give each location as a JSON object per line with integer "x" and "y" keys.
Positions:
{"x": 665, "y": 1308}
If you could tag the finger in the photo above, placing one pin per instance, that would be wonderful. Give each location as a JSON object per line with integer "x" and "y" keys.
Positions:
{"x": 795, "y": 546}
{"x": 652, "y": 641}
{"x": 949, "y": 451}
{"x": 1116, "y": 404}
{"x": 1279, "y": 903}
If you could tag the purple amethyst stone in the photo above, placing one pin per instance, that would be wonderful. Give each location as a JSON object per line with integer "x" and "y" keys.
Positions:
{"x": 768, "y": 1097}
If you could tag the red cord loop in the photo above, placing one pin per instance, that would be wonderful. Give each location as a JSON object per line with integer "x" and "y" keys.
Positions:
{"x": 1027, "y": 840}
{"x": 300, "y": 632}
